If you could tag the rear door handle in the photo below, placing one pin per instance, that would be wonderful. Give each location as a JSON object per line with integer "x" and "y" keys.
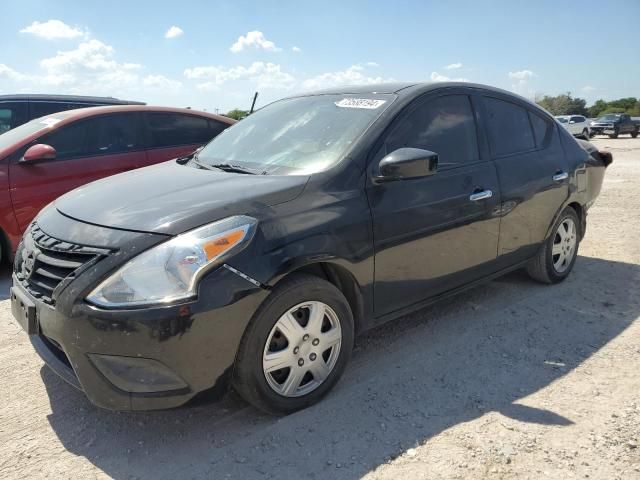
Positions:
{"x": 560, "y": 176}
{"x": 484, "y": 194}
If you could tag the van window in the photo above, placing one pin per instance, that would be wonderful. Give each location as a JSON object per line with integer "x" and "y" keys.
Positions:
{"x": 12, "y": 114}
{"x": 509, "y": 127}
{"x": 445, "y": 125}
{"x": 172, "y": 129}
{"x": 40, "y": 109}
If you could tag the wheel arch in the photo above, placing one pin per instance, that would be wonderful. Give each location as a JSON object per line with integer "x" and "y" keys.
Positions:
{"x": 342, "y": 279}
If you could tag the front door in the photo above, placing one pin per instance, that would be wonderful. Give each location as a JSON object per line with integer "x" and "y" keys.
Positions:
{"x": 87, "y": 150}
{"x": 435, "y": 233}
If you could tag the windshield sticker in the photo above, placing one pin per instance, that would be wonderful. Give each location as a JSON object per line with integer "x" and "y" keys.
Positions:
{"x": 368, "y": 103}
{"x": 50, "y": 122}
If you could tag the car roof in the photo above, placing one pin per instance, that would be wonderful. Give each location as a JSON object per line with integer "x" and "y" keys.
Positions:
{"x": 79, "y": 113}
{"x": 410, "y": 89}
{"x": 67, "y": 98}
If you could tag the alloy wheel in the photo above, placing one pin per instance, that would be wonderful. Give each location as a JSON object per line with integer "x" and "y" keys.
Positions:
{"x": 564, "y": 245}
{"x": 302, "y": 349}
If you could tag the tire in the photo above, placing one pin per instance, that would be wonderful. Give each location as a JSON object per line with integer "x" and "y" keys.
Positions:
{"x": 546, "y": 266}
{"x": 634, "y": 134}
{"x": 294, "y": 387}
{"x": 585, "y": 134}
{"x": 614, "y": 135}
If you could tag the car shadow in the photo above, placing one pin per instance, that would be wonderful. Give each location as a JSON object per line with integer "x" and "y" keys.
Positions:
{"x": 483, "y": 351}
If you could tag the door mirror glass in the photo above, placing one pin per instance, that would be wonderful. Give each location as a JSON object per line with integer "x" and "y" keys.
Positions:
{"x": 39, "y": 152}
{"x": 407, "y": 163}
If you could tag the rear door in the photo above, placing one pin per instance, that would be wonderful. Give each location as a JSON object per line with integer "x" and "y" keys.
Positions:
{"x": 435, "y": 233}
{"x": 533, "y": 171}
{"x": 170, "y": 135}
{"x": 87, "y": 150}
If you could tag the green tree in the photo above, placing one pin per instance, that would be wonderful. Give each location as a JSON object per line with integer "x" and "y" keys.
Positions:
{"x": 237, "y": 114}
{"x": 597, "y": 108}
{"x": 563, "y": 104}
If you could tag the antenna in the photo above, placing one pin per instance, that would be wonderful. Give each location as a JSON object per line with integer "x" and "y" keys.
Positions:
{"x": 253, "y": 104}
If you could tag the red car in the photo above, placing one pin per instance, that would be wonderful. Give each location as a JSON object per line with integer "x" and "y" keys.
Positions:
{"x": 49, "y": 156}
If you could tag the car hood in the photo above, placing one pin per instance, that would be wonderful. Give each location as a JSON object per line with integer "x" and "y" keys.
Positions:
{"x": 170, "y": 198}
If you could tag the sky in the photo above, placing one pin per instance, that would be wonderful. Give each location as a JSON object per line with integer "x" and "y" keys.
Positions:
{"x": 216, "y": 54}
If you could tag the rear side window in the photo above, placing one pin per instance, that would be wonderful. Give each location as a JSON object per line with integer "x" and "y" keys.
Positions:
{"x": 111, "y": 134}
{"x": 445, "y": 125}
{"x": 216, "y": 128}
{"x": 171, "y": 129}
{"x": 509, "y": 127}
{"x": 541, "y": 128}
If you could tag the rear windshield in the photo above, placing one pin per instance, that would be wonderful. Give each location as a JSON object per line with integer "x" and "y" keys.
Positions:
{"x": 19, "y": 133}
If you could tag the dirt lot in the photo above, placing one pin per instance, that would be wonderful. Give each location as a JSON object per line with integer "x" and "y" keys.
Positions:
{"x": 510, "y": 380}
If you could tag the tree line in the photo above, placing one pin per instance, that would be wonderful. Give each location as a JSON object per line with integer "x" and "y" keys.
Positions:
{"x": 565, "y": 104}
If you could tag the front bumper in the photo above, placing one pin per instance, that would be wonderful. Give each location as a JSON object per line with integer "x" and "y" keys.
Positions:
{"x": 150, "y": 358}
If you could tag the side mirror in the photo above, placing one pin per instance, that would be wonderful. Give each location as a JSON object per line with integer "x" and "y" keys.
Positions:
{"x": 406, "y": 163}
{"x": 39, "y": 152}
{"x": 572, "y": 121}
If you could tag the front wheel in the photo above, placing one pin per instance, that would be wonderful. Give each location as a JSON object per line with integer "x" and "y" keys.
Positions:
{"x": 296, "y": 346}
{"x": 555, "y": 259}
{"x": 634, "y": 134}
{"x": 585, "y": 134}
{"x": 613, "y": 135}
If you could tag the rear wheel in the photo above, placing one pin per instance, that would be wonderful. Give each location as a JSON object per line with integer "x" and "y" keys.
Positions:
{"x": 296, "y": 346}
{"x": 556, "y": 258}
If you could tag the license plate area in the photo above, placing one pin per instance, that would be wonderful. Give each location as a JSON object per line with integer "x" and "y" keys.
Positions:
{"x": 24, "y": 311}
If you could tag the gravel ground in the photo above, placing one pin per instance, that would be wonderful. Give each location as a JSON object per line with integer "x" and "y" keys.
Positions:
{"x": 510, "y": 380}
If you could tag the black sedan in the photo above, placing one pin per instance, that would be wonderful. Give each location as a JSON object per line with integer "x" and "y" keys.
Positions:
{"x": 256, "y": 261}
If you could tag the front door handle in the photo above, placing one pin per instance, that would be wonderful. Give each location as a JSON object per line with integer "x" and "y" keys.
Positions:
{"x": 560, "y": 176}
{"x": 484, "y": 194}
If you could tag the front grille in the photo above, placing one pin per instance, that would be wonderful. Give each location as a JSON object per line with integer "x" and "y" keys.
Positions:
{"x": 45, "y": 265}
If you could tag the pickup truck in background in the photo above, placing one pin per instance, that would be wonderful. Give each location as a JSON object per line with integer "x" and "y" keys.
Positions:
{"x": 614, "y": 124}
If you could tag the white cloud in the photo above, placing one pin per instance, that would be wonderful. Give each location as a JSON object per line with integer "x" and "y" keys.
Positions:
{"x": 265, "y": 75}
{"x": 52, "y": 29}
{"x": 296, "y": 49}
{"x": 588, "y": 89}
{"x": 453, "y": 66}
{"x": 10, "y": 73}
{"x": 92, "y": 55}
{"x": 161, "y": 82}
{"x": 254, "y": 39}
{"x": 173, "y": 32}
{"x": 521, "y": 75}
{"x": 521, "y": 85}
{"x": 437, "y": 77}
{"x": 355, "y": 74}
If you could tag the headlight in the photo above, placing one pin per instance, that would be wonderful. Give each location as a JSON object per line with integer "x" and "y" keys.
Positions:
{"x": 170, "y": 271}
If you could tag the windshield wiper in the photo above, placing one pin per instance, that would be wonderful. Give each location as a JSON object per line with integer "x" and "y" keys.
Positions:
{"x": 227, "y": 167}
{"x": 201, "y": 165}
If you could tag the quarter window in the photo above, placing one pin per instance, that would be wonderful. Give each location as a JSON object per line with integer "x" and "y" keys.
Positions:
{"x": 170, "y": 129}
{"x": 444, "y": 125}
{"x": 509, "y": 127}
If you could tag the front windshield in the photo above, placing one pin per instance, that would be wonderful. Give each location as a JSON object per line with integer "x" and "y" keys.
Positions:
{"x": 561, "y": 119}
{"x": 296, "y": 136}
{"x": 16, "y": 134}
{"x": 609, "y": 118}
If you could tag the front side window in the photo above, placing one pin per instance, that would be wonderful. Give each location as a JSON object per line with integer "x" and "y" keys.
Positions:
{"x": 444, "y": 125}
{"x": 69, "y": 140}
{"x": 509, "y": 127}
{"x": 297, "y": 136}
{"x": 173, "y": 129}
